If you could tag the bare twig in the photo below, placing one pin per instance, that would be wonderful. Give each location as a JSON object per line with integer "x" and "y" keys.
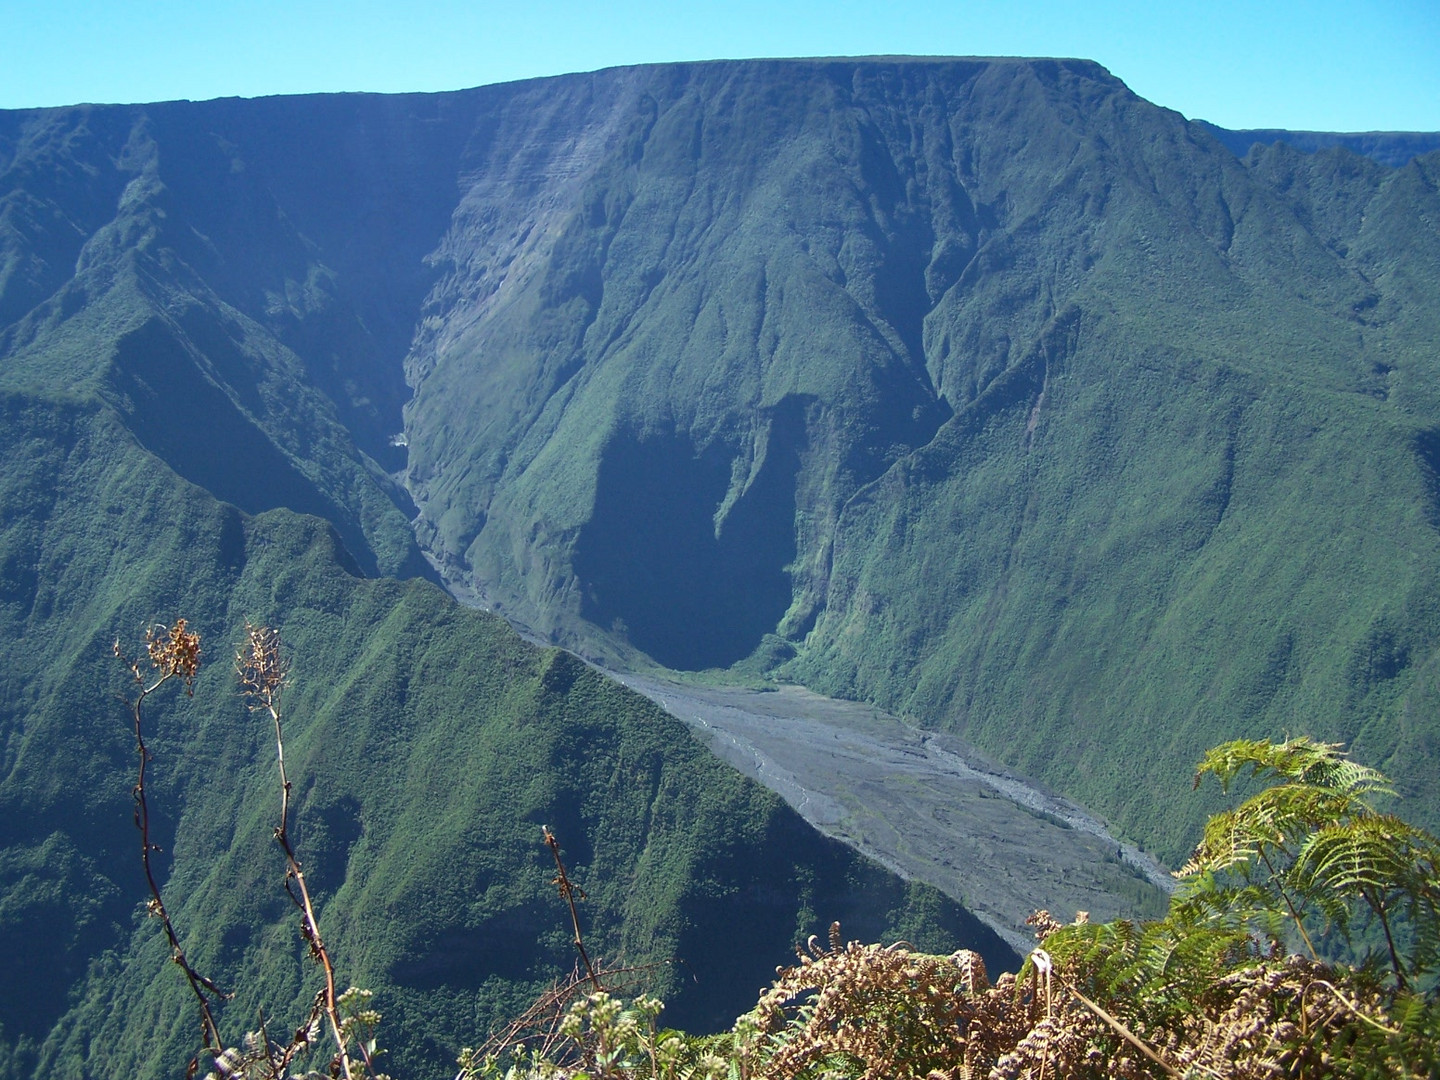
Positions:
{"x": 538, "y": 1027}
{"x": 1043, "y": 964}
{"x": 262, "y": 670}
{"x": 1353, "y": 1006}
{"x": 568, "y": 890}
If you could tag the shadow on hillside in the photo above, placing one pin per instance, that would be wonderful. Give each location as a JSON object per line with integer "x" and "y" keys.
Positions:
{"x": 654, "y": 564}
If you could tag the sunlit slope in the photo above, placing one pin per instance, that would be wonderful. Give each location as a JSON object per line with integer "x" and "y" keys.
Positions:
{"x": 427, "y": 745}
{"x": 985, "y": 390}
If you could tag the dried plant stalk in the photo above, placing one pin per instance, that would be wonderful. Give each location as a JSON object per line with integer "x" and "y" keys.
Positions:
{"x": 174, "y": 653}
{"x": 262, "y": 670}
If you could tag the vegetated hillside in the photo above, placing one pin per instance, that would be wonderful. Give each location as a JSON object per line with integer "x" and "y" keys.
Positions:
{"x": 245, "y": 314}
{"x": 986, "y": 391}
{"x": 427, "y": 745}
{"x": 983, "y": 390}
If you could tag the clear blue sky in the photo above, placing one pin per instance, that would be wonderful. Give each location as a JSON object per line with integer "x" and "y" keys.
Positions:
{"x": 1340, "y": 65}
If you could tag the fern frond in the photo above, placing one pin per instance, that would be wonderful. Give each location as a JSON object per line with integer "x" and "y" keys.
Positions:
{"x": 1303, "y": 760}
{"x": 1373, "y": 852}
{"x": 1278, "y": 818}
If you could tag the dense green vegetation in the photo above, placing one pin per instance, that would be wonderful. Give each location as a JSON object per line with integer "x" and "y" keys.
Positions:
{"x": 985, "y": 391}
{"x": 427, "y": 745}
{"x": 993, "y": 393}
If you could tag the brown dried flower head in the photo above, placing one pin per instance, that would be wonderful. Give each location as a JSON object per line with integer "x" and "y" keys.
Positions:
{"x": 260, "y": 665}
{"x": 174, "y": 651}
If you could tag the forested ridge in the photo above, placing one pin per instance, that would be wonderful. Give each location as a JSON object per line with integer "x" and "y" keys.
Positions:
{"x": 982, "y": 390}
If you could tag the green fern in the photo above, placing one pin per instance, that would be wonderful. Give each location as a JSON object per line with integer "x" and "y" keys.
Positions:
{"x": 1313, "y": 850}
{"x": 1207, "y": 991}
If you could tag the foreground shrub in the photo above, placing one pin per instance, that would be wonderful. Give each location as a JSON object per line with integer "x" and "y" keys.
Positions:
{"x": 1211, "y": 990}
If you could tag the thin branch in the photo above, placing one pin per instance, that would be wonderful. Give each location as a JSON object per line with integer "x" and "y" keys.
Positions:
{"x": 1285, "y": 896}
{"x": 262, "y": 670}
{"x": 1047, "y": 966}
{"x": 1352, "y": 1006}
{"x": 1378, "y": 906}
{"x": 174, "y": 653}
{"x": 538, "y": 1027}
{"x": 568, "y": 891}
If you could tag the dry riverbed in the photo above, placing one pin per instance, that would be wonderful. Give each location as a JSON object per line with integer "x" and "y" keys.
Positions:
{"x": 923, "y": 804}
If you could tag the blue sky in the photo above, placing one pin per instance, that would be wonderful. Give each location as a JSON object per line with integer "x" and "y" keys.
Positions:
{"x": 1340, "y": 66}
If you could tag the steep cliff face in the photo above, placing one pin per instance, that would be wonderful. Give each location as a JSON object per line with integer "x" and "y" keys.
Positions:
{"x": 984, "y": 390}
{"x": 706, "y": 332}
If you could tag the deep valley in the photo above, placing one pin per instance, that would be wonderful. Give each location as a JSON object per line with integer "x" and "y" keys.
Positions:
{"x": 807, "y": 395}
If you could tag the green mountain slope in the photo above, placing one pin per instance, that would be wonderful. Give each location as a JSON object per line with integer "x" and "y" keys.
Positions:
{"x": 427, "y": 745}
{"x": 246, "y": 315}
{"x": 987, "y": 390}
{"x": 982, "y": 390}
{"x": 204, "y": 312}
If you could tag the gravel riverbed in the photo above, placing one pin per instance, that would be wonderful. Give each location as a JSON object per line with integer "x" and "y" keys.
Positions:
{"x": 923, "y": 804}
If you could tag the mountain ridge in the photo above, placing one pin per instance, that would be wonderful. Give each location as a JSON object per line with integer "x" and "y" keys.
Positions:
{"x": 983, "y": 391}
{"x": 290, "y": 276}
